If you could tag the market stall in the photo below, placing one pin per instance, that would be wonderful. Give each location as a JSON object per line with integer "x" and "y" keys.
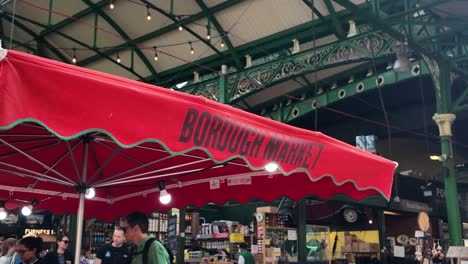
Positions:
{"x": 65, "y": 130}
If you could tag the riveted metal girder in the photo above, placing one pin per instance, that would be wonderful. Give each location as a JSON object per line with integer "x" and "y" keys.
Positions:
{"x": 76, "y": 41}
{"x": 122, "y": 34}
{"x": 292, "y": 110}
{"x": 55, "y": 51}
{"x": 241, "y": 84}
{"x": 223, "y": 34}
{"x": 164, "y": 30}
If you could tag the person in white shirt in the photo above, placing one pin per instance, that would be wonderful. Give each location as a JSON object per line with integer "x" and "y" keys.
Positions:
{"x": 8, "y": 249}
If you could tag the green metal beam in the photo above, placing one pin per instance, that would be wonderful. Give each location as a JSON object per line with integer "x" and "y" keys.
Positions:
{"x": 222, "y": 33}
{"x": 461, "y": 103}
{"x": 176, "y": 22}
{"x": 164, "y": 30}
{"x": 241, "y": 84}
{"x": 76, "y": 41}
{"x": 73, "y": 18}
{"x": 273, "y": 43}
{"x": 294, "y": 110}
{"x": 26, "y": 29}
{"x": 124, "y": 35}
{"x": 376, "y": 22}
{"x": 314, "y": 9}
{"x": 17, "y": 43}
{"x": 334, "y": 18}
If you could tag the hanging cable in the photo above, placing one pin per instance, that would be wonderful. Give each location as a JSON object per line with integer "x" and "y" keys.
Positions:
{"x": 155, "y": 53}
{"x": 12, "y": 29}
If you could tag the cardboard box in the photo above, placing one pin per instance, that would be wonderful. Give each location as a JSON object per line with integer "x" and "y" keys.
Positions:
{"x": 368, "y": 247}
{"x": 266, "y": 209}
{"x": 347, "y": 248}
{"x": 355, "y": 247}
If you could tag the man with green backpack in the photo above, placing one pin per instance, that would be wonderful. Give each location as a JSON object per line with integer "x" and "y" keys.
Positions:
{"x": 148, "y": 249}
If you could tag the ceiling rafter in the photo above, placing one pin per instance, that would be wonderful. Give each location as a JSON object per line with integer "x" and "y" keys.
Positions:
{"x": 176, "y": 21}
{"x": 124, "y": 35}
{"x": 17, "y": 43}
{"x": 76, "y": 41}
{"x": 33, "y": 34}
{"x": 334, "y": 18}
{"x": 166, "y": 29}
{"x": 223, "y": 34}
{"x": 73, "y": 18}
{"x": 314, "y": 9}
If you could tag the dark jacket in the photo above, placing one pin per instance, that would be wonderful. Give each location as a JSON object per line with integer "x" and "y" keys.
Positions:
{"x": 52, "y": 257}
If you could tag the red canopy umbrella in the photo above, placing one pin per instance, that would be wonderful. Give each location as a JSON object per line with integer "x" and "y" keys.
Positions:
{"x": 64, "y": 129}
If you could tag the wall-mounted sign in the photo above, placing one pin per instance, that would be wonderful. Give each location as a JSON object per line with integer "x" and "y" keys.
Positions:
{"x": 10, "y": 219}
{"x": 38, "y": 231}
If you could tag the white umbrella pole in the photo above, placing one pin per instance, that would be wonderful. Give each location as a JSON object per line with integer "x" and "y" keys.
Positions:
{"x": 79, "y": 228}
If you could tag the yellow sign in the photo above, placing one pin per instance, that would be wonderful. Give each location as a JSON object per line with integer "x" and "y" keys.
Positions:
{"x": 38, "y": 231}
{"x": 236, "y": 238}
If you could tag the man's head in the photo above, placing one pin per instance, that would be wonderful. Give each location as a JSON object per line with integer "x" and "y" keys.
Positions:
{"x": 243, "y": 246}
{"x": 118, "y": 237}
{"x": 136, "y": 227}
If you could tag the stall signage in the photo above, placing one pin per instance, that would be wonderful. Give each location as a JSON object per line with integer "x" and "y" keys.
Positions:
{"x": 415, "y": 206}
{"x": 38, "y": 231}
{"x": 236, "y": 238}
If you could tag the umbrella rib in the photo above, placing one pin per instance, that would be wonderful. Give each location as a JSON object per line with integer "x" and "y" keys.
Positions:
{"x": 157, "y": 171}
{"x": 133, "y": 169}
{"x": 70, "y": 152}
{"x": 52, "y": 179}
{"x": 32, "y": 159}
{"x": 28, "y": 150}
{"x": 104, "y": 165}
{"x": 145, "y": 178}
{"x": 58, "y": 161}
{"x": 26, "y": 135}
{"x": 198, "y": 181}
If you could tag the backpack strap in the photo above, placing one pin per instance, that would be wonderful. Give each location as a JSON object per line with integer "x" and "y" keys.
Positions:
{"x": 146, "y": 249}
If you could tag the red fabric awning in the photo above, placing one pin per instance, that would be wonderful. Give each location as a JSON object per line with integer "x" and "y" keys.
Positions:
{"x": 63, "y": 126}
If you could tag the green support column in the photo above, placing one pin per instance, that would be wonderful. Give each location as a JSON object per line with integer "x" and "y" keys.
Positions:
{"x": 444, "y": 121}
{"x": 301, "y": 231}
{"x": 222, "y": 85}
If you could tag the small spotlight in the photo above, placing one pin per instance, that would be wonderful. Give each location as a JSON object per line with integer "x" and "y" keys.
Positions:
{"x": 164, "y": 196}
{"x": 74, "y": 56}
{"x": 438, "y": 157}
{"x": 370, "y": 221}
{"x": 90, "y": 193}
{"x": 271, "y": 167}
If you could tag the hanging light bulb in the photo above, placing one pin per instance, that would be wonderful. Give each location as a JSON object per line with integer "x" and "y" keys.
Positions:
{"x": 3, "y": 212}
{"x": 191, "y": 48}
{"x": 222, "y": 43}
{"x": 74, "y": 56}
{"x": 111, "y": 5}
{"x": 208, "y": 35}
{"x": 118, "y": 58}
{"x": 148, "y": 15}
{"x": 27, "y": 209}
{"x": 164, "y": 196}
{"x": 155, "y": 53}
{"x": 271, "y": 167}
{"x": 90, "y": 193}
{"x": 180, "y": 26}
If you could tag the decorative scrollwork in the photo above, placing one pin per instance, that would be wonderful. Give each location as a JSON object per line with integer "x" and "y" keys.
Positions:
{"x": 210, "y": 91}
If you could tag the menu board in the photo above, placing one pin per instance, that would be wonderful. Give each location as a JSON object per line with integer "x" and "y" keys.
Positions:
{"x": 172, "y": 234}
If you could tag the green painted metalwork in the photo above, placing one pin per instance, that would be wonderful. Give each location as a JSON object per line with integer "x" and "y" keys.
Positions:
{"x": 222, "y": 33}
{"x": 314, "y": 9}
{"x": 240, "y": 84}
{"x": 95, "y": 29}
{"x": 461, "y": 103}
{"x": 177, "y": 23}
{"x": 336, "y": 23}
{"x": 36, "y": 36}
{"x": 290, "y": 111}
{"x": 77, "y": 41}
{"x": 164, "y": 30}
{"x": 68, "y": 21}
{"x": 18, "y": 43}
{"x": 441, "y": 75}
{"x": 124, "y": 36}
{"x": 273, "y": 43}
{"x": 51, "y": 7}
